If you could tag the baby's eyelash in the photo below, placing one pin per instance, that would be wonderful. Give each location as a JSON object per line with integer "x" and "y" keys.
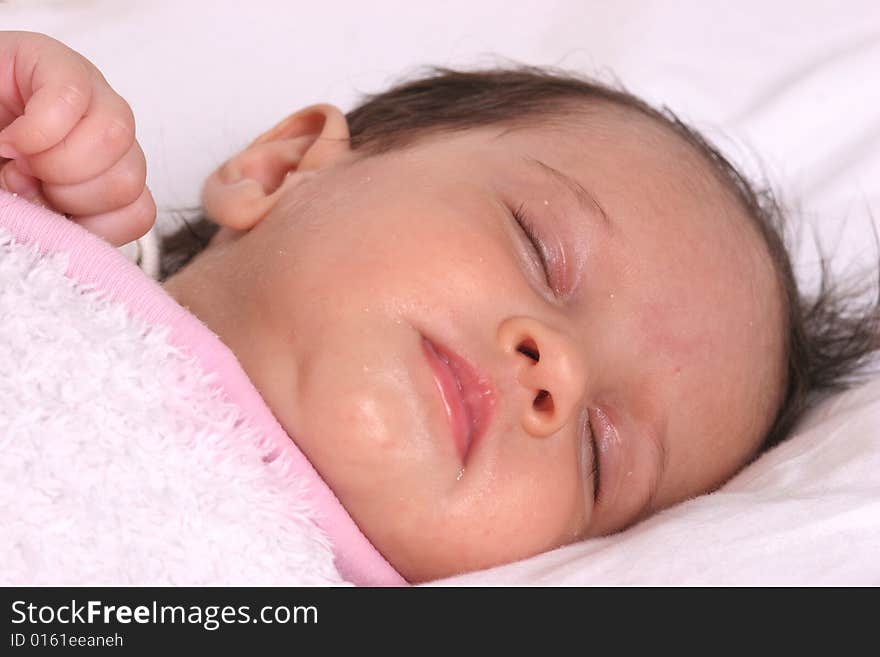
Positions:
{"x": 528, "y": 228}
{"x": 588, "y": 450}
{"x": 595, "y": 450}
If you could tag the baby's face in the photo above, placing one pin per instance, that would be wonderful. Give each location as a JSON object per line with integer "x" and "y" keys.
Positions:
{"x": 640, "y": 369}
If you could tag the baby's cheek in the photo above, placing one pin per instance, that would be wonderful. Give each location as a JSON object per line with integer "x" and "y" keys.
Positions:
{"x": 542, "y": 503}
{"x": 665, "y": 334}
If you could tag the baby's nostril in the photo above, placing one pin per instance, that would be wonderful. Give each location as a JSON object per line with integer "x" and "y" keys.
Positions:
{"x": 530, "y": 349}
{"x": 543, "y": 402}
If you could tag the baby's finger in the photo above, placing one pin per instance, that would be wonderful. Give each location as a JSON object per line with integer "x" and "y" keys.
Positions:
{"x": 94, "y": 145}
{"x": 14, "y": 181}
{"x": 59, "y": 95}
{"x": 117, "y": 187}
{"x": 124, "y": 225}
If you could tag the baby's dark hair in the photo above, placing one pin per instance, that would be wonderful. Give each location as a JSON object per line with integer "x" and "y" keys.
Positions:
{"x": 828, "y": 336}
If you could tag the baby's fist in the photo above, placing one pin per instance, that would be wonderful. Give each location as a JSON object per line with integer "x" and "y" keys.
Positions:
{"x": 70, "y": 139}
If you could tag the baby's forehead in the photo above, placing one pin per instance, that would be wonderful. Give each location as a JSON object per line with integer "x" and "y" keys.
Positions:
{"x": 619, "y": 151}
{"x": 646, "y": 142}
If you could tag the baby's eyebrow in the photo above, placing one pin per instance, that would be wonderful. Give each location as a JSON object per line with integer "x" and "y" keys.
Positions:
{"x": 586, "y": 200}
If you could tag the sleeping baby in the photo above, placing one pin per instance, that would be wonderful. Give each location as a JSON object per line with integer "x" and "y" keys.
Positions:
{"x": 499, "y": 311}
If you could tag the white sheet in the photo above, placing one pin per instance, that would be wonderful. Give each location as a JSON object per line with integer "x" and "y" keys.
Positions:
{"x": 795, "y": 82}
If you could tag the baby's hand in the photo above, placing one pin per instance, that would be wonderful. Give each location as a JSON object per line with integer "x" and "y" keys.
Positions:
{"x": 70, "y": 139}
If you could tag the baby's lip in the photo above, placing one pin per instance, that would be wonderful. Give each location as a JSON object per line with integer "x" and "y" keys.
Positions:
{"x": 467, "y": 394}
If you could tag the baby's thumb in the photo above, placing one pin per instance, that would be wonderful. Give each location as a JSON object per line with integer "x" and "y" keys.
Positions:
{"x": 15, "y": 182}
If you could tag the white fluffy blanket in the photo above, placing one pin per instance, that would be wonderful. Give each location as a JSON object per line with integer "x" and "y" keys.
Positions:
{"x": 122, "y": 461}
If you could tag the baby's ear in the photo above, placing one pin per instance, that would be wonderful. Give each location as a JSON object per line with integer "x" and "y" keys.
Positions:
{"x": 241, "y": 193}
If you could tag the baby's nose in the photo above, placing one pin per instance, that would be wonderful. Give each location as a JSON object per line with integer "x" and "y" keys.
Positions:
{"x": 549, "y": 365}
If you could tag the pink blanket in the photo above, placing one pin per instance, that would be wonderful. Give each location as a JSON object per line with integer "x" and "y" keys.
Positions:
{"x": 91, "y": 262}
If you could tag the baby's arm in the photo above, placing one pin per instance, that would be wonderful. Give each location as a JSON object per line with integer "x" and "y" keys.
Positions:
{"x": 67, "y": 140}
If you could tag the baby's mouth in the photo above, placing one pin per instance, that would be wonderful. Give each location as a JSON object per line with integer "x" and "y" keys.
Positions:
{"x": 467, "y": 395}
